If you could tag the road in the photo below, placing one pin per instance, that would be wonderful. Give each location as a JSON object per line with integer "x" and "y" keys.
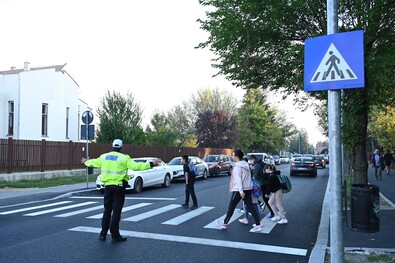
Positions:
{"x": 158, "y": 229}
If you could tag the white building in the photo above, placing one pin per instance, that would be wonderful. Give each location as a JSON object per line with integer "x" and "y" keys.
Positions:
{"x": 40, "y": 103}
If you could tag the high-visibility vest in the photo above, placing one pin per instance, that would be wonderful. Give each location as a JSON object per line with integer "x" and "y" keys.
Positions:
{"x": 114, "y": 167}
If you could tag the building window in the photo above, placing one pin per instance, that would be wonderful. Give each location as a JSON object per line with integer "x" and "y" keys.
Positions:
{"x": 67, "y": 122}
{"x": 44, "y": 119}
{"x": 10, "y": 118}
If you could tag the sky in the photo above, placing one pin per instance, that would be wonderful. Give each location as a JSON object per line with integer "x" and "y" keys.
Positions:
{"x": 143, "y": 47}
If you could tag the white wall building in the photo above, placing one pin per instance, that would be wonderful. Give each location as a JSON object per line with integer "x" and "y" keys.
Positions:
{"x": 40, "y": 103}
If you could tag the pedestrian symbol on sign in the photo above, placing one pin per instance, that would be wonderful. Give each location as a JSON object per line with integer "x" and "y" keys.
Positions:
{"x": 333, "y": 67}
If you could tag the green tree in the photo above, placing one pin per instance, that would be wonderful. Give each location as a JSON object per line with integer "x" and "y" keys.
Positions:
{"x": 261, "y": 44}
{"x": 120, "y": 117}
{"x": 161, "y": 133}
{"x": 382, "y": 126}
{"x": 183, "y": 122}
{"x": 300, "y": 143}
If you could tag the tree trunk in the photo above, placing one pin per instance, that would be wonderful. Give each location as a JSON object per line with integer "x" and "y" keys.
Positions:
{"x": 360, "y": 162}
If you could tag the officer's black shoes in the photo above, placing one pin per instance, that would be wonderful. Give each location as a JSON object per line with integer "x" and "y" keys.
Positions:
{"x": 184, "y": 205}
{"x": 102, "y": 238}
{"x": 119, "y": 239}
{"x": 194, "y": 207}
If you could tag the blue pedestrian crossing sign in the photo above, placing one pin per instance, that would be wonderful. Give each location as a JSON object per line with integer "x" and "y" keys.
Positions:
{"x": 334, "y": 62}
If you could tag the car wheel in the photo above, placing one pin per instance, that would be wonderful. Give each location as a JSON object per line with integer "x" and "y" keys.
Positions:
{"x": 204, "y": 174}
{"x": 230, "y": 171}
{"x": 166, "y": 182}
{"x": 217, "y": 172}
{"x": 138, "y": 185}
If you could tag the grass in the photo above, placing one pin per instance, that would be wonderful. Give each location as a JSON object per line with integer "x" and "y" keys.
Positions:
{"x": 43, "y": 183}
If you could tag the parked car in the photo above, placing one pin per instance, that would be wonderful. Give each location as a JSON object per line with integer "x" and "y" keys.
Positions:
{"x": 178, "y": 170}
{"x": 303, "y": 166}
{"x": 277, "y": 160}
{"x": 319, "y": 161}
{"x": 232, "y": 160}
{"x": 218, "y": 164}
{"x": 284, "y": 159}
{"x": 162, "y": 174}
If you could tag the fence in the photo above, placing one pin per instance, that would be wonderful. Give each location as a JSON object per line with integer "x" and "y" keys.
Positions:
{"x": 27, "y": 155}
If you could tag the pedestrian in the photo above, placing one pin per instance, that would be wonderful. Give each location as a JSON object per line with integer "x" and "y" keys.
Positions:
{"x": 274, "y": 187}
{"x": 190, "y": 172}
{"x": 114, "y": 174}
{"x": 254, "y": 199}
{"x": 240, "y": 186}
{"x": 263, "y": 178}
{"x": 388, "y": 160}
{"x": 378, "y": 164}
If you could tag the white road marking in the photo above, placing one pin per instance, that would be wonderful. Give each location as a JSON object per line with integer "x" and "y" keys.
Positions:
{"x": 59, "y": 209}
{"x": 201, "y": 241}
{"x": 34, "y": 207}
{"x": 151, "y": 213}
{"x": 214, "y": 224}
{"x": 127, "y": 198}
{"x": 187, "y": 216}
{"x": 125, "y": 209}
{"x": 80, "y": 211}
{"x": 267, "y": 225}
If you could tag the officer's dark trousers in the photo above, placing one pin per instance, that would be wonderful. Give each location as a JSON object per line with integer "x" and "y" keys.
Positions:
{"x": 190, "y": 191}
{"x": 114, "y": 198}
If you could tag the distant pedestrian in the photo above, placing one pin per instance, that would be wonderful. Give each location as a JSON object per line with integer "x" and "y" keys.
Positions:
{"x": 277, "y": 196}
{"x": 190, "y": 172}
{"x": 114, "y": 174}
{"x": 377, "y": 162}
{"x": 240, "y": 186}
{"x": 388, "y": 160}
{"x": 263, "y": 178}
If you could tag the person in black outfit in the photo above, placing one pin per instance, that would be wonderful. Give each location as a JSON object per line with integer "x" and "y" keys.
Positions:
{"x": 388, "y": 160}
{"x": 263, "y": 178}
{"x": 189, "y": 183}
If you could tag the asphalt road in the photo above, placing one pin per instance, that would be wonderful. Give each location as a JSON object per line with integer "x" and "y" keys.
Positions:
{"x": 32, "y": 233}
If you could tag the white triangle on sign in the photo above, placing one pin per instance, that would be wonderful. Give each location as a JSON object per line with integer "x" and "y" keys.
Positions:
{"x": 333, "y": 67}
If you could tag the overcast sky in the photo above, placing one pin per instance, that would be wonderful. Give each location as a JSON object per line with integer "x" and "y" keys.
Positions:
{"x": 144, "y": 47}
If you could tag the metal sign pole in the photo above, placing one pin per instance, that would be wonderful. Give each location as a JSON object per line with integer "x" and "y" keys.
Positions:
{"x": 87, "y": 150}
{"x": 336, "y": 216}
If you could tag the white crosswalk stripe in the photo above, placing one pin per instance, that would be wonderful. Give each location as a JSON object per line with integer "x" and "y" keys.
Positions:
{"x": 214, "y": 224}
{"x": 125, "y": 209}
{"x": 187, "y": 216}
{"x": 34, "y": 208}
{"x": 59, "y": 209}
{"x": 80, "y": 211}
{"x": 151, "y": 213}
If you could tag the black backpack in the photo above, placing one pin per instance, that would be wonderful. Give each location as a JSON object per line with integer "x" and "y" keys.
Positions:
{"x": 262, "y": 176}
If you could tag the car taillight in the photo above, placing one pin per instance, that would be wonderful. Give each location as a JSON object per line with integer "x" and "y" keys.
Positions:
{"x": 312, "y": 164}
{"x": 293, "y": 164}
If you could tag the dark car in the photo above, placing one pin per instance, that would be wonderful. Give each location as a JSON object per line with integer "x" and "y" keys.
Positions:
{"x": 303, "y": 166}
{"x": 319, "y": 161}
{"x": 218, "y": 164}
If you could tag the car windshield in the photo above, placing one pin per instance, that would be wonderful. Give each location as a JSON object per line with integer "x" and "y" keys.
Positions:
{"x": 303, "y": 159}
{"x": 175, "y": 161}
{"x": 211, "y": 159}
{"x": 140, "y": 160}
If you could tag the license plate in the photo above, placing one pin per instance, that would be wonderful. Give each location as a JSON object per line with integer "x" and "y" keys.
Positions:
{"x": 302, "y": 168}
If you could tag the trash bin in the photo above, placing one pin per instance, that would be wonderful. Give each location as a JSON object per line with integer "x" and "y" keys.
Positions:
{"x": 90, "y": 170}
{"x": 365, "y": 208}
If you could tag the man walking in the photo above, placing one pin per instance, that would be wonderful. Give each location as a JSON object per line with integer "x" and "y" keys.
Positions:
{"x": 378, "y": 164}
{"x": 190, "y": 172}
{"x": 114, "y": 167}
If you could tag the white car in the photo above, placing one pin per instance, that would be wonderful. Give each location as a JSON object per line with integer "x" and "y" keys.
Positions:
{"x": 178, "y": 170}
{"x": 284, "y": 159}
{"x": 162, "y": 174}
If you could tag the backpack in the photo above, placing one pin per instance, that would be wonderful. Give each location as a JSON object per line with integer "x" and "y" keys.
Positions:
{"x": 256, "y": 189}
{"x": 285, "y": 182}
{"x": 193, "y": 169}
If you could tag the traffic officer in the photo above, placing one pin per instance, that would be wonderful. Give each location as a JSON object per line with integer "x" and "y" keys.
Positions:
{"x": 114, "y": 167}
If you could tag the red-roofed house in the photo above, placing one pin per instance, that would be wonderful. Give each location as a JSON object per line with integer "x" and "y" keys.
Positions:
{"x": 40, "y": 103}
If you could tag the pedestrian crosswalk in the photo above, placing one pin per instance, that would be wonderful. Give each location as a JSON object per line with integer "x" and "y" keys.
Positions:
{"x": 131, "y": 213}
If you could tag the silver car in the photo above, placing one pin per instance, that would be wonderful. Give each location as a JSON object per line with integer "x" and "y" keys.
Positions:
{"x": 178, "y": 170}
